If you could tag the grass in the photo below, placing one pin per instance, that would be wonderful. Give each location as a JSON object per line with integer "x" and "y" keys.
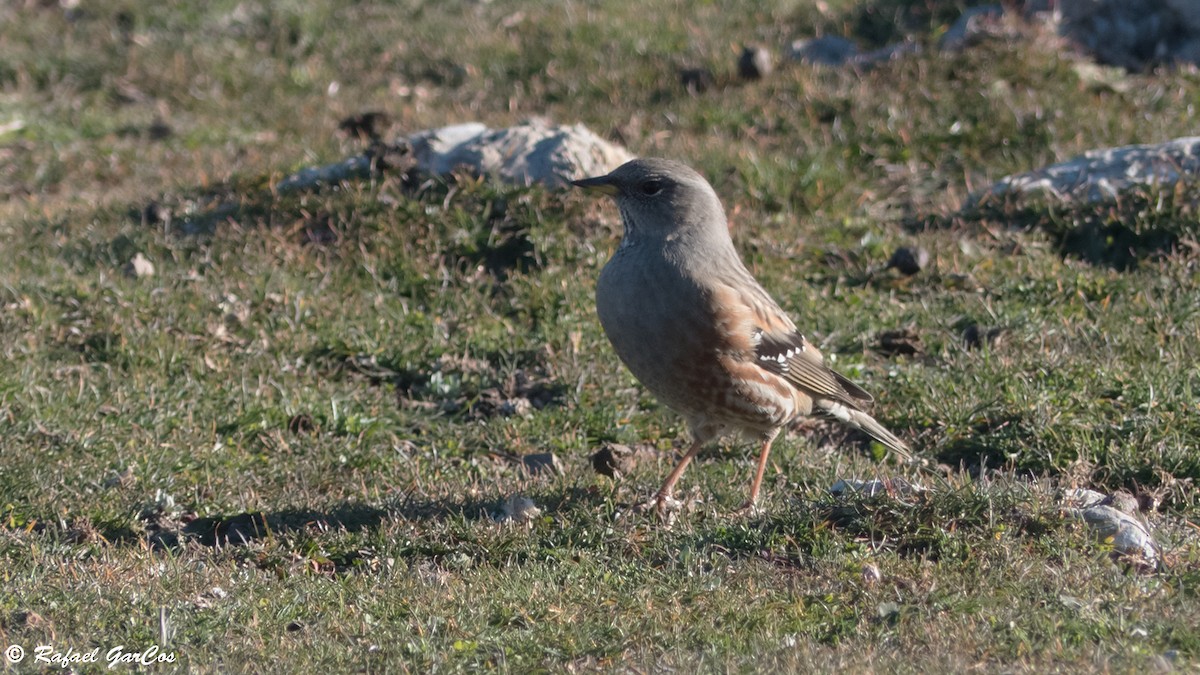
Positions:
{"x": 294, "y": 439}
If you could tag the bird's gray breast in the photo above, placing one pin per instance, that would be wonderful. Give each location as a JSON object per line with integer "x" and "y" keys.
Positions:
{"x": 652, "y": 315}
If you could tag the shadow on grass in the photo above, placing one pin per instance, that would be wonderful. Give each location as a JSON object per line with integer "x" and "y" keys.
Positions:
{"x": 247, "y": 527}
{"x": 244, "y": 528}
{"x": 1143, "y": 224}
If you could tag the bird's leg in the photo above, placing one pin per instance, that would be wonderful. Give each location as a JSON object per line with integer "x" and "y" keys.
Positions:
{"x": 662, "y": 500}
{"x": 751, "y": 504}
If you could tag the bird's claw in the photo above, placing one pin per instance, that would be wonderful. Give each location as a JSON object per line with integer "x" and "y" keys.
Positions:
{"x": 748, "y": 510}
{"x": 663, "y": 506}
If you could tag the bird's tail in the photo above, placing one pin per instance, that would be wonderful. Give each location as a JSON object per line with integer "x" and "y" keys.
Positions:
{"x": 864, "y": 422}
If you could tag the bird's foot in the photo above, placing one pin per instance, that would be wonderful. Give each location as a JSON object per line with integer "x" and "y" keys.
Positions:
{"x": 748, "y": 510}
{"x": 663, "y": 506}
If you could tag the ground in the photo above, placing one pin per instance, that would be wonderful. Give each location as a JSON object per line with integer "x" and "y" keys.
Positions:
{"x": 289, "y": 447}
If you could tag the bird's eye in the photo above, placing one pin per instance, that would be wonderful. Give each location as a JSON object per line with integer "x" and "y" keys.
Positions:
{"x": 652, "y": 187}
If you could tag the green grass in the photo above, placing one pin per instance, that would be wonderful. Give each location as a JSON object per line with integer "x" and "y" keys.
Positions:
{"x": 294, "y": 438}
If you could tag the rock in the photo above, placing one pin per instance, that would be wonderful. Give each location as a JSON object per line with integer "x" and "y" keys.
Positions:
{"x": 532, "y": 152}
{"x": 899, "y": 341}
{"x": 1133, "y": 34}
{"x": 159, "y": 130}
{"x": 301, "y": 423}
{"x": 1188, "y": 12}
{"x": 1097, "y": 78}
{"x": 909, "y": 260}
{"x": 365, "y": 125}
{"x": 518, "y": 509}
{"x": 755, "y": 63}
{"x": 967, "y": 30}
{"x": 823, "y": 51}
{"x": 696, "y": 80}
{"x": 1101, "y": 175}
{"x": 432, "y": 145}
{"x": 884, "y": 54}
{"x": 614, "y": 460}
{"x": 1123, "y": 502}
{"x": 139, "y": 267}
{"x": 837, "y": 51}
{"x": 977, "y": 337}
{"x": 1113, "y": 518}
{"x": 357, "y": 167}
{"x": 154, "y": 213}
{"x": 542, "y": 463}
{"x": 1128, "y": 535}
{"x": 870, "y": 574}
{"x": 1082, "y": 498}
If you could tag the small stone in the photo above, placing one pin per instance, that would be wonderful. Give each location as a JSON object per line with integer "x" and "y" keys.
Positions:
{"x": 696, "y": 80}
{"x": 614, "y": 460}
{"x": 301, "y": 424}
{"x": 120, "y": 479}
{"x": 1082, "y": 498}
{"x": 755, "y": 63}
{"x": 900, "y": 341}
{"x": 519, "y": 509}
{"x": 365, "y": 125}
{"x": 154, "y": 213}
{"x": 888, "y": 611}
{"x": 1123, "y": 502}
{"x": 1149, "y": 501}
{"x": 892, "y": 52}
{"x": 971, "y": 27}
{"x": 823, "y": 51}
{"x": 159, "y": 130}
{"x": 1127, "y": 535}
{"x": 518, "y": 406}
{"x": 871, "y": 574}
{"x": 24, "y": 619}
{"x": 139, "y": 267}
{"x": 909, "y": 260}
{"x": 977, "y": 337}
{"x": 541, "y": 463}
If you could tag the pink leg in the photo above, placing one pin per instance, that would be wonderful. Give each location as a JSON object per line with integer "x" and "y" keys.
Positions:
{"x": 668, "y": 486}
{"x": 758, "y": 476}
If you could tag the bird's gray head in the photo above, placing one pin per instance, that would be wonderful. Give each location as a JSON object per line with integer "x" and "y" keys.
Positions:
{"x": 661, "y": 199}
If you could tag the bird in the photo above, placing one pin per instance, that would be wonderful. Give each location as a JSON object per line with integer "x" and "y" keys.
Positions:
{"x": 693, "y": 325}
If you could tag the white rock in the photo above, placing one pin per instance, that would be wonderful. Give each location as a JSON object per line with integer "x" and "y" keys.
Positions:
{"x": 823, "y": 51}
{"x": 1128, "y": 534}
{"x": 532, "y": 152}
{"x": 970, "y": 26}
{"x": 871, "y": 574}
{"x": 518, "y": 509}
{"x": 1102, "y": 174}
{"x": 139, "y": 267}
{"x": 1082, "y": 498}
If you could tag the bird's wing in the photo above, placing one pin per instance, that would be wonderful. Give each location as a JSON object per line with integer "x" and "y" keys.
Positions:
{"x": 796, "y": 360}
{"x": 751, "y": 323}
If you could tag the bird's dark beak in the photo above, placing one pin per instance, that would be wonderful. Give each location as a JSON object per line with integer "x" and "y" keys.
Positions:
{"x": 601, "y": 184}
